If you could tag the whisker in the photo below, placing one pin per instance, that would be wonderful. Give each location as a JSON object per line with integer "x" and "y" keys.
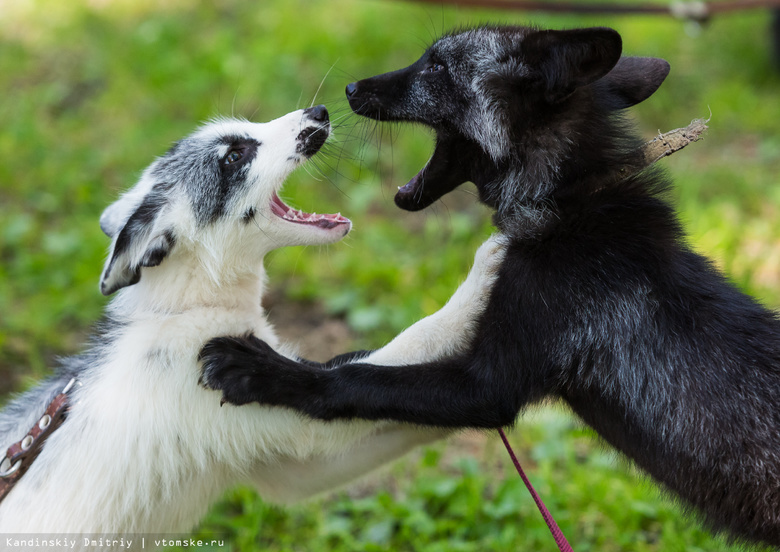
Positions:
{"x": 306, "y": 168}
{"x": 233, "y": 103}
{"x": 323, "y": 82}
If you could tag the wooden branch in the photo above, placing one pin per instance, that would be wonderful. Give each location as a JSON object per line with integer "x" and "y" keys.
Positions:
{"x": 659, "y": 147}
{"x": 697, "y": 10}
{"x": 667, "y": 143}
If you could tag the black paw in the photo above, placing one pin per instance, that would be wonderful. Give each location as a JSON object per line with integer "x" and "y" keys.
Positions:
{"x": 234, "y": 366}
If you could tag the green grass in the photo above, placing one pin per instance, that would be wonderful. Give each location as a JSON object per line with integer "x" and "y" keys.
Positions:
{"x": 435, "y": 502}
{"x": 91, "y": 92}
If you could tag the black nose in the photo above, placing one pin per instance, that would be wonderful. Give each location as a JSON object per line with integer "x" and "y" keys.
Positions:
{"x": 351, "y": 89}
{"x": 319, "y": 113}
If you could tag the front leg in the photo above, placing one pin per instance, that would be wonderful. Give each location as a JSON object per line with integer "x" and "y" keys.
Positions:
{"x": 439, "y": 379}
{"x": 289, "y": 480}
{"x": 231, "y": 364}
{"x": 235, "y": 365}
{"x": 450, "y": 330}
{"x": 437, "y": 382}
{"x": 468, "y": 390}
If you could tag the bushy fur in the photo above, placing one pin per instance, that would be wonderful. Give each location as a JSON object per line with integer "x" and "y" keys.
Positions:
{"x": 145, "y": 448}
{"x": 599, "y": 301}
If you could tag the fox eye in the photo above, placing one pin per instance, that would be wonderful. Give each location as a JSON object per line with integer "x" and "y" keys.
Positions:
{"x": 434, "y": 68}
{"x": 233, "y": 156}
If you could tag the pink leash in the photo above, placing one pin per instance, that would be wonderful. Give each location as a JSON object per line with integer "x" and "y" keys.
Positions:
{"x": 560, "y": 540}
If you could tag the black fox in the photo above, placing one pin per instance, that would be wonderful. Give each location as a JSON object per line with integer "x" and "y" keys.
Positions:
{"x": 599, "y": 301}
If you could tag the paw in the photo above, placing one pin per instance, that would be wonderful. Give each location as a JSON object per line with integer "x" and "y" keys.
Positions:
{"x": 489, "y": 256}
{"x": 470, "y": 299}
{"x": 487, "y": 263}
{"x": 230, "y": 365}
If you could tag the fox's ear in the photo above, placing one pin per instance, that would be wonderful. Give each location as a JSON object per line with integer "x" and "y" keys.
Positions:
{"x": 633, "y": 80}
{"x": 116, "y": 215}
{"x": 140, "y": 238}
{"x": 567, "y": 60}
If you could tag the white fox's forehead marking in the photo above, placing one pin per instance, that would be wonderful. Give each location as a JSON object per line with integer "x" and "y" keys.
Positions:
{"x": 193, "y": 165}
{"x": 211, "y": 140}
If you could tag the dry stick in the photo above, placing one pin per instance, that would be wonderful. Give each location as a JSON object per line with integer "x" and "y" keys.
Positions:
{"x": 695, "y": 10}
{"x": 667, "y": 143}
{"x": 659, "y": 147}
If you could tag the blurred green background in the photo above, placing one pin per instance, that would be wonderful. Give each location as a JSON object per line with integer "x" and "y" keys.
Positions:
{"x": 93, "y": 90}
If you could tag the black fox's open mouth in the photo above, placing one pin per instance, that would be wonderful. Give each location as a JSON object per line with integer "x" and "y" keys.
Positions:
{"x": 441, "y": 174}
{"x": 324, "y": 221}
{"x": 409, "y": 192}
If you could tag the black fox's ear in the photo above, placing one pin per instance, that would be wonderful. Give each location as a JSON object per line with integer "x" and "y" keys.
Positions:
{"x": 568, "y": 60}
{"x": 633, "y": 80}
{"x": 142, "y": 240}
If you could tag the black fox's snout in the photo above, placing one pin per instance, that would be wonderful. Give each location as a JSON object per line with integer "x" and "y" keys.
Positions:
{"x": 383, "y": 97}
{"x": 364, "y": 101}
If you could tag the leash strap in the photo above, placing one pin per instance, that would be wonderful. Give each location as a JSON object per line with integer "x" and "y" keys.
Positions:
{"x": 560, "y": 540}
{"x": 21, "y": 455}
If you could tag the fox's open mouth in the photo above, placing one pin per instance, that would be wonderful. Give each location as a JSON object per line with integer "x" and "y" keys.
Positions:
{"x": 324, "y": 221}
{"x": 409, "y": 193}
{"x": 441, "y": 174}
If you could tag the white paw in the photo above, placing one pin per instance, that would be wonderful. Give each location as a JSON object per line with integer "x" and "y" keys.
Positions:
{"x": 489, "y": 256}
{"x": 472, "y": 295}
